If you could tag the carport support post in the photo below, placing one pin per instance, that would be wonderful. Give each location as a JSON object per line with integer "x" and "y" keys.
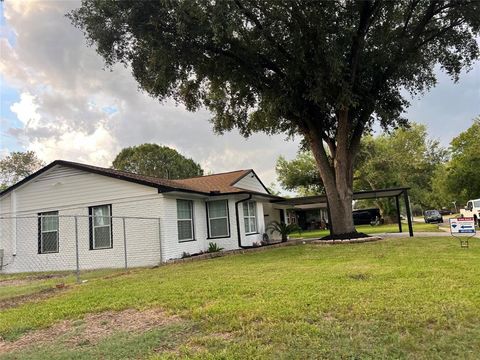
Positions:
{"x": 399, "y": 219}
{"x": 76, "y": 250}
{"x": 409, "y": 213}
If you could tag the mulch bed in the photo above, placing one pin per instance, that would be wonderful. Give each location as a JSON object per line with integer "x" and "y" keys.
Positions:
{"x": 291, "y": 242}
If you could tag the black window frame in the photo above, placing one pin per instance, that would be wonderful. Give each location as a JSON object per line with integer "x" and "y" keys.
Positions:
{"x": 40, "y": 232}
{"x": 91, "y": 227}
{"x": 209, "y": 235}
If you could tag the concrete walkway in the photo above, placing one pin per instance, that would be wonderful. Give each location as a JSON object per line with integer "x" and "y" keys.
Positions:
{"x": 419, "y": 234}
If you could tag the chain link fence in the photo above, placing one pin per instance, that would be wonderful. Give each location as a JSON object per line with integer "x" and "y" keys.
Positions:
{"x": 51, "y": 242}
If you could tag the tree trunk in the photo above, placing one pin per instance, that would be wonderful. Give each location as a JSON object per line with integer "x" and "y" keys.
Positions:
{"x": 337, "y": 177}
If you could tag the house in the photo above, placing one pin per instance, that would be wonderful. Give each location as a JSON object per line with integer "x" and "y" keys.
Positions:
{"x": 109, "y": 217}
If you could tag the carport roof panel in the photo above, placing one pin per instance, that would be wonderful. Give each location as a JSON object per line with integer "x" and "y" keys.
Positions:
{"x": 359, "y": 195}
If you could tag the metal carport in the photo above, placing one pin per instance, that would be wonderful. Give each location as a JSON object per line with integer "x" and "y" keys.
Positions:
{"x": 322, "y": 201}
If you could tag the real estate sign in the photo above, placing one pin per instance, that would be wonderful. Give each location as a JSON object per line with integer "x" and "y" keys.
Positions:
{"x": 462, "y": 225}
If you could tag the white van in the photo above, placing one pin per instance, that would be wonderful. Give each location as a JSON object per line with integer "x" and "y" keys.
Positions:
{"x": 472, "y": 210}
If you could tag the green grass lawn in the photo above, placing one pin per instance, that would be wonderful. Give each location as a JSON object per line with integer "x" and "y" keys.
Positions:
{"x": 400, "y": 298}
{"x": 368, "y": 229}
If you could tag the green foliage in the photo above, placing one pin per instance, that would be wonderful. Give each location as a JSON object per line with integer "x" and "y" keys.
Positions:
{"x": 277, "y": 66}
{"x": 300, "y": 174}
{"x": 18, "y": 165}
{"x": 296, "y": 302}
{"x": 462, "y": 178}
{"x": 213, "y": 247}
{"x": 156, "y": 160}
{"x": 403, "y": 158}
{"x": 283, "y": 229}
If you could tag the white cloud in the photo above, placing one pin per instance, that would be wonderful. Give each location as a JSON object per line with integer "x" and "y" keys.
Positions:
{"x": 65, "y": 89}
{"x": 26, "y": 110}
{"x": 95, "y": 148}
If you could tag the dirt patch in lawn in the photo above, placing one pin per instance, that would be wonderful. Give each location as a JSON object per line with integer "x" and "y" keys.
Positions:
{"x": 22, "y": 299}
{"x": 29, "y": 279}
{"x": 91, "y": 329}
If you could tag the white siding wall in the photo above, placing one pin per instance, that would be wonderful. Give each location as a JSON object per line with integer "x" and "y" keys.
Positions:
{"x": 250, "y": 182}
{"x": 66, "y": 186}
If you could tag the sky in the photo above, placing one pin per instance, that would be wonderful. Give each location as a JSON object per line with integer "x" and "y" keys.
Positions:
{"x": 58, "y": 99}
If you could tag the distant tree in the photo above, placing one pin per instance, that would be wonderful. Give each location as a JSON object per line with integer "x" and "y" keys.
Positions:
{"x": 300, "y": 174}
{"x": 403, "y": 158}
{"x": 156, "y": 160}
{"x": 462, "y": 180}
{"x": 323, "y": 70}
{"x": 273, "y": 189}
{"x": 441, "y": 196}
{"x": 18, "y": 165}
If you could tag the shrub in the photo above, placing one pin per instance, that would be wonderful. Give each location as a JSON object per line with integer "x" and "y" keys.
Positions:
{"x": 283, "y": 229}
{"x": 213, "y": 247}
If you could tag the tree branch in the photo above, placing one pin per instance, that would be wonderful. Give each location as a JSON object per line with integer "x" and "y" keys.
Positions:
{"x": 259, "y": 25}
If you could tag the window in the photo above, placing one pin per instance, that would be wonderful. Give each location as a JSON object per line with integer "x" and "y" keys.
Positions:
{"x": 100, "y": 227}
{"x": 250, "y": 217}
{"x": 48, "y": 232}
{"x": 185, "y": 220}
{"x": 218, "y": 222}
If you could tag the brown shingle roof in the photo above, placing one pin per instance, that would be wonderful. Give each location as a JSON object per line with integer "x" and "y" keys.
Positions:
{"x": 221, "y": 183}
{"x": 216, "y": 183}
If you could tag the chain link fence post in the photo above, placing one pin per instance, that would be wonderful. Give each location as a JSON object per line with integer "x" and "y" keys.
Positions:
{"x": 76, "y": 250}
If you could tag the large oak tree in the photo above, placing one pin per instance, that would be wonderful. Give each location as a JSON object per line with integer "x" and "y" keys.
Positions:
{"x": 324, "y": 70}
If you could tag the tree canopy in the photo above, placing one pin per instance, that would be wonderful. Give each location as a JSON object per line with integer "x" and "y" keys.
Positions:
{"x": 18, "y": 165}
{"x": 459, "y": 179}
{"x": 325, "y": 70}
{"x": 300, "y": 174}
{"x": 404, "y": 158}
{"x": 156, "y": 160}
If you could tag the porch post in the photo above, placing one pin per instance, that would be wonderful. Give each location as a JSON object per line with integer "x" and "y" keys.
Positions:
{"x": 409, "y": 213}
{"x": 399, "y": 218}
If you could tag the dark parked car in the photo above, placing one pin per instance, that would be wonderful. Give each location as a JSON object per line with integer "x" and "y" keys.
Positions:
{"x": 433, "y": 216}
{"x": 367, "y": 216}
{"x": 446, "y": 212}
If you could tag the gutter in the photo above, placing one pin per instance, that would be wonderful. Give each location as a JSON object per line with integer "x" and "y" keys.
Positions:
{"x": 238, "y": 222}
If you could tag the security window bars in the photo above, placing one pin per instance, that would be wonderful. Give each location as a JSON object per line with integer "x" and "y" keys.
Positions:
{"x": 48, "y": 232}
{"x": 101, "y": 227}
{"x": 217, "y": 212}
{"x": 250, "y": 217}
{"x": 185, "y": 220}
